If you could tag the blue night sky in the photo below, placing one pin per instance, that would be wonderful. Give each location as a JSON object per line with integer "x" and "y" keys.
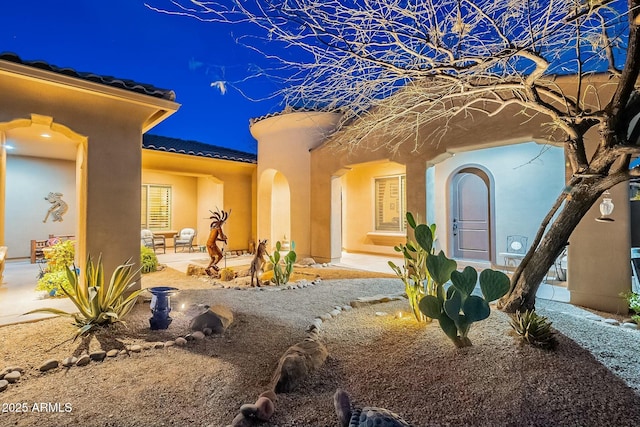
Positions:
{"x": 125, "y": 39}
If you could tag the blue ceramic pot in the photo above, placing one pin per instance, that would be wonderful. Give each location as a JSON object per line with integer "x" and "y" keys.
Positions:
{"x": 161, "y": 306}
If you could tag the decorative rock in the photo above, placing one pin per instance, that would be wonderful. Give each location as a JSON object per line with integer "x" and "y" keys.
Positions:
{"x": 123, "y": 351}
{"x": 208, "y": 331}
{"x": 325, "y": 317}
{"x": 337, "y": 307}
{"x": 306, "y": 262}
{"x": 181, "y": 341}
{"x": 324, "y": 264}
{"x": 12, "y": 376}
{"x": 49, "y": 365}
{"x": 198, "y": 335}
{"x": 241, "y": 421}
{"x": 375, "y": 299}
{"x": 196, "y": 270}
{"x": 381, "y": 313}
{"x": 8, "y": 369}
{"x": 135, "y": 348}
{"x": 3, "y": 385}
{"x": 611, "y": 322}
{"x": 189, "y": 337}
{"x": 170, "y": 343}
{"x": 147, "y": 346}
{"x": 629, "y": 325}
{"x": 158, "y": 345}
{"x": 317, "y": 322}
{"x": 298, "y": 362}
{"x": 262, "y": 410}
{"x": 83, "y": 360}
{"x": 68, "y": 362}
{"x": 593, "y": 317}
{"x": 335, "y": 313}
{"x": 98, "y": 355}
{"x": 217, "y": 318}
{"x": 269, "y": 394}
{"x": 113, "y": 353}
{"x": 346, "y": 307}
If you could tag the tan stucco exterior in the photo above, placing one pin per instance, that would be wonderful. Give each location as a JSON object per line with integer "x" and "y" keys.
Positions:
{"x": 340, "y": 200}
{"x": 202, "y": 184}
{"x": 106, "y": 125}
{"x": 284, "y": 144}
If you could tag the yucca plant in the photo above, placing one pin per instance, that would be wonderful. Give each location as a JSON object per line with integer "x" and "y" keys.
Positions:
{"x": 534, "y": 329}
{"x": 97, "y": 304}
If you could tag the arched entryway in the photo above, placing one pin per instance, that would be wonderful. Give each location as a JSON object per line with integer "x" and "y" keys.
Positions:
{"x": 274, "y": 207}
{"x": 39, "y": 157}
{"x": 471, "y": 219}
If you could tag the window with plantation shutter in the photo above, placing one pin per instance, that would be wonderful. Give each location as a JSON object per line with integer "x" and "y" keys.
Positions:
{"x": 156, "y": 207}
{"x": 390, "y": 203}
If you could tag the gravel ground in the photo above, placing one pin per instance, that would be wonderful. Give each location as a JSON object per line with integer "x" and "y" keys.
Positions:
{"x": 592, "y": 379}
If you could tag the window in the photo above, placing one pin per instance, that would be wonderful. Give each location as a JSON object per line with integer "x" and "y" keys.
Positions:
{"x": 156, "y": 207}
{"x": 390, "y": 203}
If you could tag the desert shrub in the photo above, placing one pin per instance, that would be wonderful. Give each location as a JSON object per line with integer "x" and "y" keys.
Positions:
{"x": 633, "y": 299}
{"x": 54, "y": 277}
{"x": 534, "y": 329}
{"x": 282, "y": 265}
{"x": 148, "y": 260}
{"x": 98, "y": 304}
{"x": 227, "y": 274}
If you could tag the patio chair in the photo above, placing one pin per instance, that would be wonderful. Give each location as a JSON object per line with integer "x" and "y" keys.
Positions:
{"x": 153, "y": 241}
{"x": 184, "y": 239}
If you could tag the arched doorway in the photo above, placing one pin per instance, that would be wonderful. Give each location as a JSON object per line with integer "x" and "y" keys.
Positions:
{"x": 471, "y": 214}
{"x": 39, "y": 157}
{"x": 274, "y": 207}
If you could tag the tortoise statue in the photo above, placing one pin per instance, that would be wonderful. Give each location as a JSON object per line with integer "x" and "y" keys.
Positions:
{"x": 364, "y": 417}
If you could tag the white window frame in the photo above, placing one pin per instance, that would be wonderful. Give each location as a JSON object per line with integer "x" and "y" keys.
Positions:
{"x": 400, "y": 204}
{"x": 162, "y": 222}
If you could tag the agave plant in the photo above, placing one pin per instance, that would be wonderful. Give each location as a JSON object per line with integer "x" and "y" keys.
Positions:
{"x": 97, "y": 304}
{"x": 534, "y": 329}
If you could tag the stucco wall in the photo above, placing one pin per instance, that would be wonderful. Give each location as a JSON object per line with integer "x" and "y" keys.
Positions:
{"x": 183, "y": 198}
{"x": 527, "y": 179}
{"x": 284, "y": 142}
{"x": 359, "y": 208}
{"x": 29, "y": 180}
{"x": 222, "y": 184}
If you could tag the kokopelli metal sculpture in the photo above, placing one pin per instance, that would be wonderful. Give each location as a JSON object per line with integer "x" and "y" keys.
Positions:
{"x": 216, "y": 235}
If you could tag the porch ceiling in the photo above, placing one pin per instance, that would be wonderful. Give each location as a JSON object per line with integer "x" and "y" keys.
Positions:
{"x": 40, "y": 141}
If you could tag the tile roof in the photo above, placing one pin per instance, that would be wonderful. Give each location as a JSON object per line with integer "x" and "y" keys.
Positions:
{"x": 126, "y": 84}
{"x": 194, "y": 148}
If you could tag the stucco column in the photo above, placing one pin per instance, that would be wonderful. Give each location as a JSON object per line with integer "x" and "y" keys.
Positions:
{"x": 416, "y": 173}
{"x": 3, "y": 183}
{"x": 321, "y": 216}
{"x": 113, "y": 175}
{"x": 599, "y": 261}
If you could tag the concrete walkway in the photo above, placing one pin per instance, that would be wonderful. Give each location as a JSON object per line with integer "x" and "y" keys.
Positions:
{"x": 18, "y": 294}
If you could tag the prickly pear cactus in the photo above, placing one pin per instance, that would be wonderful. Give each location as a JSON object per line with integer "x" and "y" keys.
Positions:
{"x": 368, "y": 416}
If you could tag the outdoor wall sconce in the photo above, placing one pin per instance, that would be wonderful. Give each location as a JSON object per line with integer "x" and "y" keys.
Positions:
{"x": 606, "y": 208}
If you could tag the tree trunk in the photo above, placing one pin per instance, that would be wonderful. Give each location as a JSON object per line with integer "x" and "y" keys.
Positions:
{"x": 540, "y": 258}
